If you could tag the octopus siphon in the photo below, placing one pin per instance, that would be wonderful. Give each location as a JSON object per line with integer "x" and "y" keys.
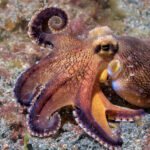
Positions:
{"x": 69, "y": 76}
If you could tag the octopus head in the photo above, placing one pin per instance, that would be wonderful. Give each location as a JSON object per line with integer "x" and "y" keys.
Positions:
{"x": 104, "y": 42}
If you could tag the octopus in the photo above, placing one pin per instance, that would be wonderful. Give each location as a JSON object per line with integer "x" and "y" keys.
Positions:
{"x": 69, "y": 76}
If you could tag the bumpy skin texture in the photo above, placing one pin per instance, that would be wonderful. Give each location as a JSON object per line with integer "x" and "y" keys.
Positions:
{"x": 133, "y": 81}
{"x": 69, "y": 75}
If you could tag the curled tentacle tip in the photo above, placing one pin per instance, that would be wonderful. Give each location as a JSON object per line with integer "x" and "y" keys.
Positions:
{"x": 46, "y": 131}
{"x": 46, "y": 21}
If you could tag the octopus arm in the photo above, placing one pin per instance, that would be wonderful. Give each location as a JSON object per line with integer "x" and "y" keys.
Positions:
{"x": 33, "y": 79}
{"x": 118, "y": 113}
{"x": 91, "y": 117}
{"x": 43, "y": 119}
{"x": 90, "y": 112}
{"x": 93, "y": 108}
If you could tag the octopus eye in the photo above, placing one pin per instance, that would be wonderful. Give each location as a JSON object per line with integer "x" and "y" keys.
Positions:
{"x": 105, "y": 47}
{"x": 102, "y": 48}
{"x": 99, "y": 48}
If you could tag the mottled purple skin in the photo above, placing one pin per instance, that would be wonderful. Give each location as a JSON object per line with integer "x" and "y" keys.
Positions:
{"x": 69, "y": 75}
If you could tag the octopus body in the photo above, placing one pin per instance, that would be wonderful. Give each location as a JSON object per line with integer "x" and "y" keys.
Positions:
{"x": 69, "y": 75}
{"x": 130, "y": 71}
